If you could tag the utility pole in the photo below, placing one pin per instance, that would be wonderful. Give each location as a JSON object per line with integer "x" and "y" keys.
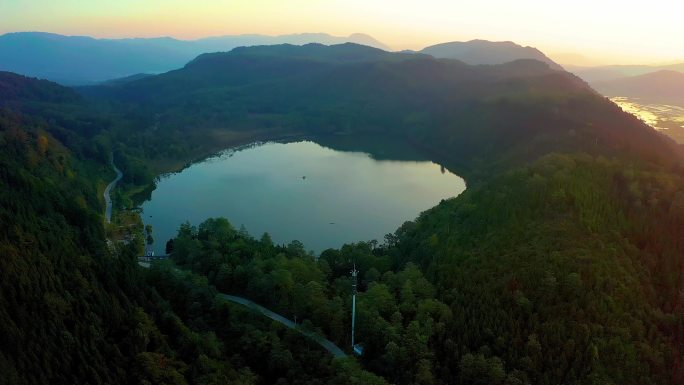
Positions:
{"x": 354, "y": 272}
{"x": 356, "y": 349}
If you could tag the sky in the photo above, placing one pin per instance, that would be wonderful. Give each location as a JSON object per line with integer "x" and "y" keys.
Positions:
{"x": 605, "y": 31}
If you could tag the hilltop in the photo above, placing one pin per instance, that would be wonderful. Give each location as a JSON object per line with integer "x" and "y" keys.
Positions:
{"x": 487, "y": 52}
{"x": 416, "y": 96}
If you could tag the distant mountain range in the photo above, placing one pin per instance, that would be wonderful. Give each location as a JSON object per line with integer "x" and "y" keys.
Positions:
{"x": 336, "y": 89}
{"x": 573, "y": 59}
{"x": 487, "y": 52}
{"x": 324, "y": 68}
{"x": 652, "y": 83}
{"x": 660, "y": 87}
{"x": 79, "y": 60}
{"x": 611, "y": 72}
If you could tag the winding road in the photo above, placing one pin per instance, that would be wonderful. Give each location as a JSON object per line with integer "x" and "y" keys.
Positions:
{"x": 326, "y": 344}
{"x": 108, "y": 189}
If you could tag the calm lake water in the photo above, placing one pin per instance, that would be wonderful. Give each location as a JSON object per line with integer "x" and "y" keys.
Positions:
{"x": 321, "y": 194}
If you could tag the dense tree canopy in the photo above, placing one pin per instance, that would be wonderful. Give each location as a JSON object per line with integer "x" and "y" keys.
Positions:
{"x": 561, "y": 263}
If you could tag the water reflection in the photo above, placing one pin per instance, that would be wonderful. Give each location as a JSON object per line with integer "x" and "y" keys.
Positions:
{"x": 326, "y": 193}
{"x": 663, "y": 117}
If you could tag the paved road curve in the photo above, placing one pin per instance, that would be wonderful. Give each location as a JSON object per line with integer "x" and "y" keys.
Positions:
{"x": 108, "y": 189}
{"x": 326, "y": 344}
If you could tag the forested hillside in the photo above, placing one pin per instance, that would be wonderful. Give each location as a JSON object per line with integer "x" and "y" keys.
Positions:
{"x": 75, "y": 310}
{"x": 561, "y": 263}
{"x": 515, "y": 111}
{"x": 564, "y": 271}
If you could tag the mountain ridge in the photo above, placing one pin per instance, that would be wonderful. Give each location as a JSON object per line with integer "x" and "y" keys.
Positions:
{"x": 54, "y": 56}
{"x": 610, "y": 72}
{"x": 308, "y": 78}
{"x": 480, "y": 51}
{"x": 663, "y": 86}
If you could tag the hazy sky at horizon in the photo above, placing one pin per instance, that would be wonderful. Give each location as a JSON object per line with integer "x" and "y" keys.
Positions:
{"x": 610, "y": 31}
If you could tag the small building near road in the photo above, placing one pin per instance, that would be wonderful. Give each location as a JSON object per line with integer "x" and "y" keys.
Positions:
{"x": 149, "y": 257}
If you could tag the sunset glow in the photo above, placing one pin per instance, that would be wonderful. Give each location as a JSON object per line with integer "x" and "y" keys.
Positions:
{"x": 611, "y": 31}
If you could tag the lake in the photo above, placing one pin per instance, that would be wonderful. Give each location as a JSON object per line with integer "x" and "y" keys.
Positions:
{"x": 323, "y": 193}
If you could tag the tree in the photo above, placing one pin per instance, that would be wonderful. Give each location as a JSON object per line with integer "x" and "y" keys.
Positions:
{"x": 478, "y": 370}
{"x": 148, "y": 232}
{"x": 266, "y": 240}
{"x": 169, "y": 246}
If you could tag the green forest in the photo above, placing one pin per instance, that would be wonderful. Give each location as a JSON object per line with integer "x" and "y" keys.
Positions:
{"x": 561, "y": 263}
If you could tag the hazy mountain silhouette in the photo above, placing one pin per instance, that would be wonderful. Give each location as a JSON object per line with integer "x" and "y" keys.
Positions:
{"x": 77, "y": 60}
{"x": 125, "y": 79}
{"x": 610, "y": 72}
{"x": 214, "y": 43}
{"x": 661, "y": 87}
{"x": 347, "y": 52}
{"x": 487, "y": 52}
{"x": 572, "y": 59}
